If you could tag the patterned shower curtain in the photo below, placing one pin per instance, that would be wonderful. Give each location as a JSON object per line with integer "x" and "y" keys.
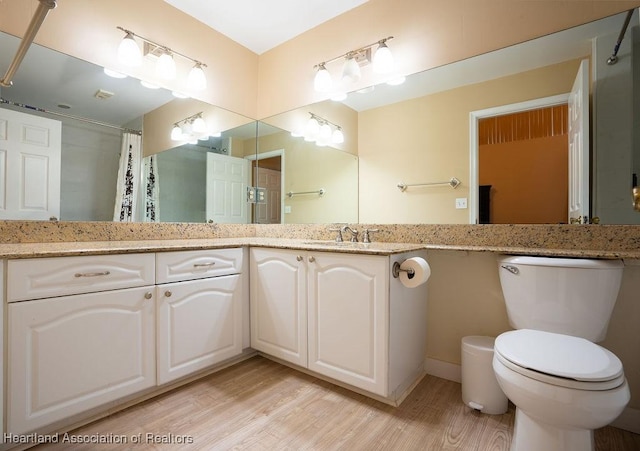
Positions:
{"x": 128, "y": 178}
{"x": 151, "y": 189}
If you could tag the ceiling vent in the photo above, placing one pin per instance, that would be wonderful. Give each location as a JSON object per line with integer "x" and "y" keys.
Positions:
{"x": 102, "y": 94}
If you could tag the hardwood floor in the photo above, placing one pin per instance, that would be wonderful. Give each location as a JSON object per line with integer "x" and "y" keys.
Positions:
{"x": 262, "y": 405}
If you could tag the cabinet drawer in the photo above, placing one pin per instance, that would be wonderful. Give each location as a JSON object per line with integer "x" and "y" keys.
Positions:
{"x": 48, "y": 277}
{"x": 190, "y": 265}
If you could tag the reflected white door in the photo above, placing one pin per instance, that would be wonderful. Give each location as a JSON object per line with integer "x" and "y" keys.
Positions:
{"x": 579, "y": 147}
{"x": 227, "y": 181}
{"x": 30, "y": 154}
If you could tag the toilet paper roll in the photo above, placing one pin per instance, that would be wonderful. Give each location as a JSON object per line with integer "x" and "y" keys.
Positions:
{"x": 421, "y": 272}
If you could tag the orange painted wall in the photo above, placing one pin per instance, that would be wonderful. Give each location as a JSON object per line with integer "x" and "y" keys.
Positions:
{"x": 528, "y": 180}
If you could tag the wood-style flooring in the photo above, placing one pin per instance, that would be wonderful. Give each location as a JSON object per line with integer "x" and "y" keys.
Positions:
{"x": 262, "y": 405}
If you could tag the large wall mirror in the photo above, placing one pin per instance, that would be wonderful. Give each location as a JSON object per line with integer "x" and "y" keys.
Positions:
{"x": 418, "y": 134}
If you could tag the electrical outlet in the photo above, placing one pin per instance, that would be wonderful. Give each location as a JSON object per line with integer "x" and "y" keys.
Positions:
{"x": 287, "y": 209}
{"x": 461, "y": 203}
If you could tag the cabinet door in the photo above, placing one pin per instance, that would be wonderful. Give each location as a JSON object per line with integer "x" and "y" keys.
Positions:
{"x": 348, "y": 319}
{"x": 73, "y": 353}
{"x": 278, "y": 287}
{"x": 199, "y": 324}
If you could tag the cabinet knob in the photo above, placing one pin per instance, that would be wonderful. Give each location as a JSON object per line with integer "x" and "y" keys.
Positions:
{"x": 299, "y": 258}
{"x": 168, "y": 293}
{"x": 148, "y": 295}
{"x": 312, "y": 259}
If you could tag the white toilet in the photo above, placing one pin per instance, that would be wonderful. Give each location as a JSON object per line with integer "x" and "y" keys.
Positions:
{"x": 563, "y": 385}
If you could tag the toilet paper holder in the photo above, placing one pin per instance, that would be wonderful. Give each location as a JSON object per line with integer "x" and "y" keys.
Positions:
{"x": 395, "y": 270}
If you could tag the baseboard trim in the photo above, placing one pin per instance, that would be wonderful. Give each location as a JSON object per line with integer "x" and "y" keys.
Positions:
{"x": 444, "y": 370}
{"x": 629, "y": 420}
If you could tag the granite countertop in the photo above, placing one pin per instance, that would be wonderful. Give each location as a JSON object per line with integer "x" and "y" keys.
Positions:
{"x": 60, "y": 249}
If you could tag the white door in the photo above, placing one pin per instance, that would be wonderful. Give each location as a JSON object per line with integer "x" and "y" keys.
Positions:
{"x": 278, "y": 297}
{"x": 579, "y": 147}
{"x": 227, "y": 181}
{"x": 30, "y": 155}
{"x": 269, "y": 212}
{"x": 74, "y": 353}
{"x": 348, "y": 322}
{"x": 199, "y": 324}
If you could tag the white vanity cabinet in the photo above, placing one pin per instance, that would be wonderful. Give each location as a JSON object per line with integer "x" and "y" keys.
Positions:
{"x": 339, "y": 315}
{"x": 75, "y": 342}
{"x": 200, "y": 296}
{"x": 278, "y": 299}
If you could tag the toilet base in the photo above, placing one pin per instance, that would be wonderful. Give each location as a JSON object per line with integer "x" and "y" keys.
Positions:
{"x": 532, "y": 435}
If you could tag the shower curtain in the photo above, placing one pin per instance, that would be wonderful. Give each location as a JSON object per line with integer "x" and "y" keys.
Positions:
{"x": 128, "y": 178}
{"x": 151, "y": 189}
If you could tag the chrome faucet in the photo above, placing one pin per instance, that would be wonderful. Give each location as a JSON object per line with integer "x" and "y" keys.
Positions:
{"x": 354, "y": 233}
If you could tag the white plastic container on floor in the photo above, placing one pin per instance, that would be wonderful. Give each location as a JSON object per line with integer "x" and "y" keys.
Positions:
{"x": 480, "y": 389}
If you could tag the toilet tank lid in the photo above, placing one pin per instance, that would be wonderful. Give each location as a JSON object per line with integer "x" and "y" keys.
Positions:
{"x": 559, "y": 355}
{"x": 563, "y": 262}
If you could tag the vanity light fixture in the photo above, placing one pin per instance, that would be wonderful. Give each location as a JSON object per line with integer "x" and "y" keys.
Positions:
{"x": 129, "y": 54}
{"x": 321, "y": 131}
{"x": 190, "y": 129}
{"x": 351, "y": 73}
{"x": 114, "y": 73}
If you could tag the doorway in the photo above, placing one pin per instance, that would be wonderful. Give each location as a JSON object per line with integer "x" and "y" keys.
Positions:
{"x": 517, "y": 157}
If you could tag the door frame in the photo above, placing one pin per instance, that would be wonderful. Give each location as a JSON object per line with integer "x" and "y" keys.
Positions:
{"x": 474, "y": 147}
{"x": 271, "y": 154}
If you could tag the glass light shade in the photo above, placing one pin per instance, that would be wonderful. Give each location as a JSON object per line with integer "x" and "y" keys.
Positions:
{"x": 179, "y": 95}
{"x": 338, "y": 96}
{"x": 322, "y": 81}
{"x": 312, "y": 130}
{"x": 129, "y": 52}
{"x": 297, "y": 132}
{"x": 199, "y": 127}
{"x": 149, "y": 85}
{"x": 351, "y": 71}
{"x": 176, "y": 133}
{"x": 197, "y": 80}
{"x": 166, "y": 67}
{"x": 383, "y": 60}
{"x": 325, "y": 133}
{"x": 114, "y": 73}
{"x": 398, "y": 80}
{"x": 337, "y": 137}
{"x": 187, "y": 131}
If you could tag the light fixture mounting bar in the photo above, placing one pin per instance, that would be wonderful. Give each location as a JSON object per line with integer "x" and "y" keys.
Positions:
{"x": 355, "y": 52}
{"x": 323, "y": 120}
{"x": 173, "y": 52}
{"x": 190, "y": 118}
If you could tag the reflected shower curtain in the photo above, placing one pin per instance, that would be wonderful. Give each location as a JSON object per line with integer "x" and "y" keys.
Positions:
{"x": 151, "y": 189}
{"x": 128, "y": 178}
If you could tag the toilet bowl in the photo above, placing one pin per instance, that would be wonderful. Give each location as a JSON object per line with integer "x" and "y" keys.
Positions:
{"x": 563, "y": 384}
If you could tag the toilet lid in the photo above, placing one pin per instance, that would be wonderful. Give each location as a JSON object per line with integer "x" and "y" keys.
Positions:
{"x": 559, "y": 355}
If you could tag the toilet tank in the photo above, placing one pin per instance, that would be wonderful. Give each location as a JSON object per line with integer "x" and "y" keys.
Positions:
{"x": 562, "y": 295}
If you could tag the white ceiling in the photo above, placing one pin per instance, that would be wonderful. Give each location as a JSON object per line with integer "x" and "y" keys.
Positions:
{"x": 260, "y": 25}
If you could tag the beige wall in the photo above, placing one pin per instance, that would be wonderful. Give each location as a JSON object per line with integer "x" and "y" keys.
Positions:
{"x": 308, "y": 167}
{"x": 427, "y": 140}
{"x": 87, "y": 29}
{"x": 428, "y": 33}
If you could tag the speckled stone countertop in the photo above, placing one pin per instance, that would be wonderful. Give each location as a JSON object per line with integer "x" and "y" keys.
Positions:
{"x": 24, "y": 239}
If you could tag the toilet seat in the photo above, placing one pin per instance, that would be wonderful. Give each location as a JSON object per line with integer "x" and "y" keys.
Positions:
{"x": 560, "y": 360}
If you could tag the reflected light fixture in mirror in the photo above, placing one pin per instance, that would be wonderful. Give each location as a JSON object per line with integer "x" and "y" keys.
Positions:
{"x": 190, "y": 129}
{"x": 129, "y": 54}
{"x": 321, "y": 131}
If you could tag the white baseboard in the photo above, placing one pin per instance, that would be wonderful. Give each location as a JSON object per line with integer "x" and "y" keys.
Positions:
{"x": 629, "y": 420}
{"x": 445, "y": 370}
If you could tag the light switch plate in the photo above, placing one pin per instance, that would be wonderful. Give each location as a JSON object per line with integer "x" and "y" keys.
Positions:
{"x": 461, "y": 203}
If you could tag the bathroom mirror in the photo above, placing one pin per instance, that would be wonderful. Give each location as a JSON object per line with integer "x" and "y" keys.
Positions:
{"x": 95, "y": 110}
{"x": 419, "y": 132}
{"x": 381, "y": 148}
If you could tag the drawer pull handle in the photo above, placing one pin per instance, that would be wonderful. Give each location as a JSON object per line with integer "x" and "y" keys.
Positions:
{"x": 92, "y": 274}
{"x": 168, "y": 293}
{"x": 148, "y": 295}
{"x": 299, "y": 258}
{"x": 312, "y": 259}
{"x": 203, "y": 265}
